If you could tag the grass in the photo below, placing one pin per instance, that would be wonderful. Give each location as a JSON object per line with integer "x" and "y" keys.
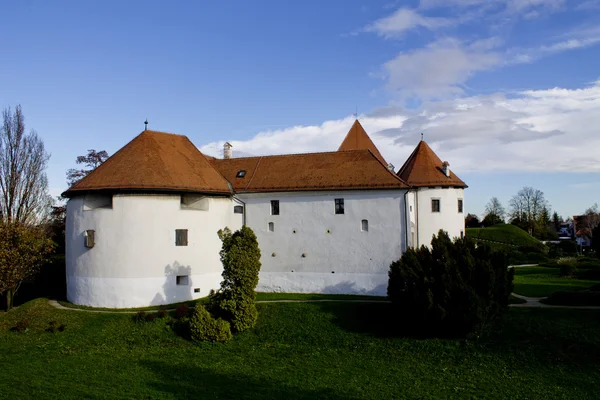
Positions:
{"x": 330, "y": 350}
{"x": 261, "y": 296}
{"x": 172, "y": 306}
{"x": 543, "y": 281}
{"x": 504, "y": 233}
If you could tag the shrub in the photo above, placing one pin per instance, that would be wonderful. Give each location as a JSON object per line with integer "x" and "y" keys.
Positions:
{"x": 205, "y": 328}
{"x": 235, "y": 300}
{"x": 568, "y": 266}
{"x": 588, "y": 262}
{"x": 21, "y": 326}
{"x": 452, "y": 289}
{"x": 569, "y": 247}
{"x": 150, "y": 317}
{"x": 541, "y": 249}
{"x": 140, "y": 316}
{"x": 182, "y": 311}
{"x": 162, "y": 313}
{"x": 51, "y": 327}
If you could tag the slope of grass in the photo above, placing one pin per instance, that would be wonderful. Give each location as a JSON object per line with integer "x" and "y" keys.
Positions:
{"x": 543, "y": 281}
{"x": 504, "y": 233}
{"x": 330, "y": 350}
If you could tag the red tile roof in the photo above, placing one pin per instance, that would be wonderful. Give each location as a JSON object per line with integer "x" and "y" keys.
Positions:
{"x": 155, "y": 161}
{"x": 357, "y": 139}
{"x": 424, "y": 168}
{"x": 341, "y": 170}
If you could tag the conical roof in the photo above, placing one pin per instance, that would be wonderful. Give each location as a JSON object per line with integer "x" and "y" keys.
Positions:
{"x": 424, "y": 168}
{"x": 155, "y": 161}
{"x": 357, "y": 139}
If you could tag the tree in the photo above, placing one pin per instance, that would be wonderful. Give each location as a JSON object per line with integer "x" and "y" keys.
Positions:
{"x": 471, "y": 221}
{"x": 526, "y": 207}
{"x": 556, "y": 221}
{"x": 491, "y": 219}
{"x": 495, "y": 208}
{"x": 92, "y": 160}
{"x": 23, "y": 250}
{"x": 235, "y": 300}
{"x": 590, "y": 220}
{"x": 23, "y": 182}
{"x": 454, "y": 288}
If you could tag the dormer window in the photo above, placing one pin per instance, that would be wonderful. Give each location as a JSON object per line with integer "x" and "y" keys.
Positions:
{"x": 241, "y": 173}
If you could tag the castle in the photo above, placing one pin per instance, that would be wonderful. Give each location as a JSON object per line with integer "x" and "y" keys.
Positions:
{"x": 142, "y": 228}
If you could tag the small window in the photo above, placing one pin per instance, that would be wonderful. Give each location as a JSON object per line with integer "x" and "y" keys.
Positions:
{"x": 460, "y": 205}
{"x": 435, "y": 205}
{"x": 183, "y": 280}
{"x": 181, "y": 237}
{"x": 271, "y": 227}
{"x": 410, "y": 208}
{"x": 238, "y": 209}
{"x": 274, "y": 207}
{"x": 90, "y": 238}
{"x": 339, "y": 206}
{"x": 364, "y": 225}
{"x": 241, "y": 173}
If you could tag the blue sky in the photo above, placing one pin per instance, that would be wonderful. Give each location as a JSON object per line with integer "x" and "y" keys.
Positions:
{"x": 508, "y": 91}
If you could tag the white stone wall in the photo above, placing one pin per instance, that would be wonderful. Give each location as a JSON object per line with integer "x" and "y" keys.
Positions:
{"x": 339, "y": 256}
{"x": 135, "y": 262}
{"x": 449, "y": 219}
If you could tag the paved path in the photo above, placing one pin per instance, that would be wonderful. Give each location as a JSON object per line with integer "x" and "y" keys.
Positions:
{"x": 535, "y": 302}
{"x": 531, "y": 302}
{"x": 523, "y": 265}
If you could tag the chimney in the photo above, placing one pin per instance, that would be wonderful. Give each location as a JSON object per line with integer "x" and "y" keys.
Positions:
{"x": 391, "y": 167}
{"x": 227, "y": 152}
{"x": 445, "y": 168}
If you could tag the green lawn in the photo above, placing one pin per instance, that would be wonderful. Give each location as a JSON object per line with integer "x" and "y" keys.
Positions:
{"x": 542, "y": 281}
{"x": 330, "y": 350}
{"x": 504, "y": 233}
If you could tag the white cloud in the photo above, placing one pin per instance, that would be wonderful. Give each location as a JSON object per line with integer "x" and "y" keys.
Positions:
{"x": 517, "y": 6}
{"x": 439, "y": 70}
{"x": 405, "y": 19}
{"x": 520, "y": 56}
{"x": 545, "y": 130}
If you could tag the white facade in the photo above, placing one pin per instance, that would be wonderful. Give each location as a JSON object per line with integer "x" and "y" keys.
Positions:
{"x": 425, "y": 222}
{"x": 309, "y": 248}
{"x": 134, "y": 261}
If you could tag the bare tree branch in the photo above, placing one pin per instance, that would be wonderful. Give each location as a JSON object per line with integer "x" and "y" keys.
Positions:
{"x": 24, "y": 194}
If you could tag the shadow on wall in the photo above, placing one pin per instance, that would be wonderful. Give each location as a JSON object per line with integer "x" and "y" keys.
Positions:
{"x": 349, "y": 287}
{"x": 188, "y": 382}
{"x": 177, "y": 287}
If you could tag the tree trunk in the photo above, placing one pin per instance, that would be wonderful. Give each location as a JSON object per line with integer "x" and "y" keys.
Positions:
{"x": 9, "y": 299}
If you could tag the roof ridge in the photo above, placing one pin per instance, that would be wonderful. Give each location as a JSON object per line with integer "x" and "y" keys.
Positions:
{"x": 294, "y": 154}
{"x": 163, "y": 133}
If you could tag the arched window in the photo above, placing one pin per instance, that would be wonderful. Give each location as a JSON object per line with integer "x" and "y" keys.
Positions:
{"x": 364, "y": 225}
{"x": 271, "y": 227}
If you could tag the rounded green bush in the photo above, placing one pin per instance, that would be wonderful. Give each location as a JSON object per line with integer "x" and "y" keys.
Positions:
{"x": 205, "y": 328}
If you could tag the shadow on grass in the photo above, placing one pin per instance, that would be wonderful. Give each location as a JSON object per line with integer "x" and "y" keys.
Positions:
{"x": 192, "y": 382}
{"x": 548, "y": 336}
{"x": 380, "y": 320}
